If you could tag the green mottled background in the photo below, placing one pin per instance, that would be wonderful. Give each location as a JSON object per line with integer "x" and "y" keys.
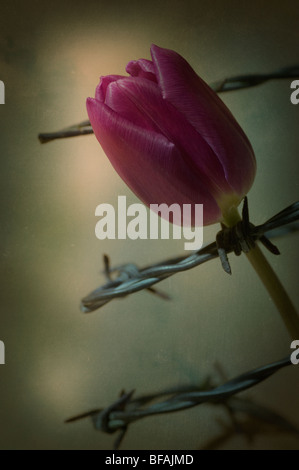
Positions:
{"x": 60, "y": 362}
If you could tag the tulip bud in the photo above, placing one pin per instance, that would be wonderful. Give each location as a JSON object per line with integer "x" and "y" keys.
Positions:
{"x": 171, "y": 138}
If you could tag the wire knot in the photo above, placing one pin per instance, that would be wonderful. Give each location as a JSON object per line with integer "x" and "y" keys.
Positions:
{"x": 239, "y": 238}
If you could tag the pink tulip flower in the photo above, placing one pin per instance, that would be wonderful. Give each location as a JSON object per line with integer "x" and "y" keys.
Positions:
{"x": 171, "y": 138}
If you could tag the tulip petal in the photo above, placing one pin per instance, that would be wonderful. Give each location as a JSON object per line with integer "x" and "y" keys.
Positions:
{"x": 182, "y": 87}
{"x": 140, "y": 101}
{"x": 142, "y": 68}
{"x": 118, "y": 100}
{"x": 103, "y": 85}
{"x": 149, "y": 163}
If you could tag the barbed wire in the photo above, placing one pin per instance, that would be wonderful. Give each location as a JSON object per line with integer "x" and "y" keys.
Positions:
{"x": 83, "y": 128}
{"x": 239, "y": 82}
{"x": 130, "y": 278}
{"x": 126, "y": 409}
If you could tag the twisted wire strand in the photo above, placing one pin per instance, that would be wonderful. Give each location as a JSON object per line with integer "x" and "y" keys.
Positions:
{"x": 183, "y": 401}
{"x": 246, "y": 81}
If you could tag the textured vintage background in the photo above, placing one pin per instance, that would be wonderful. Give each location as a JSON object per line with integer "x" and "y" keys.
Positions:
{"x": 60, "y": 362}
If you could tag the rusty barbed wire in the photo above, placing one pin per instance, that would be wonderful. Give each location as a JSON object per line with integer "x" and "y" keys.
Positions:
{"x": 130, "y": 278}
{"x": 126, "y": 409}
{"x": 239, "y": 82}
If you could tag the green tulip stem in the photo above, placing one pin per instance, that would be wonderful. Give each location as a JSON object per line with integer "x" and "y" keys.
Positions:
{"x": 276, "y": 290}
{"x": 270, "y": 280}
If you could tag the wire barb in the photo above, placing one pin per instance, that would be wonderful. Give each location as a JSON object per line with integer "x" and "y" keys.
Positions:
{"x": 239, "y": 238}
